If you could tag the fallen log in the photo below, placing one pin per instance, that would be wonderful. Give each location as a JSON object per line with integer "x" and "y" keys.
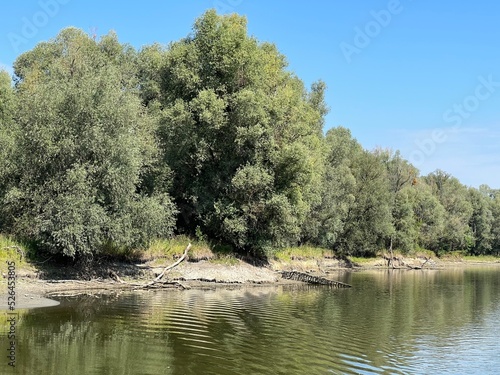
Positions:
{"x": 173, "y": 265}
{"x": 158, "y": 280}
{"x": 421, "y": 266}
{"x": 304, "y": 277}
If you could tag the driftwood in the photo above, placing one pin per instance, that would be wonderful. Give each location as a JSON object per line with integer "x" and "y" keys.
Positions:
{"x": 392, "y": 256}
{"x": 391, "y": 260}
{"x": 421, "y": 266}
{"x": 158, "y": 280}
{"x": 304, "y": 277}
{"x": 402, "y": 265}
{"x": 173, "y": 265}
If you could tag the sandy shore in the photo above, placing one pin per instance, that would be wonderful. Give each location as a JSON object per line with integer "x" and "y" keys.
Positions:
{"x": 27, "y": 301}
{"x": 32, "y": 287}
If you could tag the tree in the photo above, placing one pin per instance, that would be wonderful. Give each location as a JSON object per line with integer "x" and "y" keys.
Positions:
{"x": 150, "y": 66}
{"x": 402, "y": 175}
{"x": 495, "y": 228}
{"x": 481, "y": 222}
{"x": 429, "y": 215}
{"x": 492, "y": 199}
{"x": 6, "y": 98}
{"x": 7, "y": 136}
{"x": 240, "y": 133}
{"x": 369, "y": 221}
{"x": 400, "y": 172}
{"x": 328, "y": 217}
{"x": 85, "y": 144}
{"x": 405, "y": 235}
{"x": 457, "y": 234}
{"x": 101, "y": 145}
{"x": 354, "y": 215}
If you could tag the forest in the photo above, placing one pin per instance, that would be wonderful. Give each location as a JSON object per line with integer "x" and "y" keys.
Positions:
{"x": 103, "y": 145}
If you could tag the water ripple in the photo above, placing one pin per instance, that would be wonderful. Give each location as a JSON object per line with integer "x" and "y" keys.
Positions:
{"x": 390, "y": 323}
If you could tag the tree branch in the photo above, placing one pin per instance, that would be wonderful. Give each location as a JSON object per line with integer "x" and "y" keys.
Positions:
{"x": 159, "y": 277}
{"x": 172, "y": 266}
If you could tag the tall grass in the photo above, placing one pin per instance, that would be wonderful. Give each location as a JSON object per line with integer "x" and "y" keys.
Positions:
{"x": 301, "y": 253}
{"x": 173, "y": 248}
{"x": 482, "y": 258}
{"x": 10, "y": 250}
{"x": 170, "y": 249}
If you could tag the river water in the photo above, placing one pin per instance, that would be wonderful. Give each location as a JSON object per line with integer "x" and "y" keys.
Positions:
{"x": 390, "y": 322}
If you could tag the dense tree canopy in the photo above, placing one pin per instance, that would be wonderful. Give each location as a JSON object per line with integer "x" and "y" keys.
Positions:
{"x": 7, "y": 134}
{"x": 241, "y": 134}
{"x": 83, "y": 143}
{"x": 103, "y": 145}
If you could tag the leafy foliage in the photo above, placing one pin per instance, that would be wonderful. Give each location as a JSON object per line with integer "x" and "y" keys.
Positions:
{"x": 7, "y": 134}
{"x": 241, "y": 134}
{"x": 83, "y": 144}
{"x": 105, "y": 147}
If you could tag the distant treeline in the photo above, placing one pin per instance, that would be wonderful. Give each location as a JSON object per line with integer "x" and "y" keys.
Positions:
{"x": 105, "y": 146}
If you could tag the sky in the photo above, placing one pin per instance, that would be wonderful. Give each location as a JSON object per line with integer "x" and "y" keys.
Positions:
{"x": 418, "y": 76}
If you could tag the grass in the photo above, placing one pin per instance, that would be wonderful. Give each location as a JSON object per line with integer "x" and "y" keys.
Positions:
{"x": 421, "y": 253}
{"x": 452, "y": 255}
{"x": 168, "y": 250}
{"x": 200, "y": 250}
{"x": 225, "y": 259}
{"x": 463, "y": 256}
{"x": 11, "y": 250}
{"x": 481, "y": 258}
{"x": 174, "y": 248}
{"x": 415, "y": 253}
{"x": 301, "y": 253}
{"x": 159, "y": 252}
{"x": 362, "y": 260}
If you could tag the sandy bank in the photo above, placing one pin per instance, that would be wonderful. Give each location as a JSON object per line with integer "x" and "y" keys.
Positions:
{"x": 32, "y": 285}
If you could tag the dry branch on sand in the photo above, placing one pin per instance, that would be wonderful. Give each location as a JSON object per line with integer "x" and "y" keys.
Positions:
{"x": 158, "y": 279}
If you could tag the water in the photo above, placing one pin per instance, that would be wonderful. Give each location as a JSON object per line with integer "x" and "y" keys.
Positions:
{"x": 390, "y": 322}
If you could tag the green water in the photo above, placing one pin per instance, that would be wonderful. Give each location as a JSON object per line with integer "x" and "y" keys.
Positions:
{"x": 390, "y": 322}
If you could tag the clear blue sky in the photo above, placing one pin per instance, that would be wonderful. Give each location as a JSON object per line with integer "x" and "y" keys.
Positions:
{"x": 420, "y": 76}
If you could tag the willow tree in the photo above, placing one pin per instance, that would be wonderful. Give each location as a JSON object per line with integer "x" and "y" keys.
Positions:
{"x": 241, "y": 134}
{"x": 495, "y": 228}
{"x": 84, "y": 145}
{"x": 354, "y": 213}
{"x": 369, "y": 220}
{"x": 7, "y": 134}
{"x": 6, "y": 100}
{"x": 402, "y": 176}
{"x": 453, "y": 196}
{"x": 326, "y": 224}
{"x": 481, "y": 222}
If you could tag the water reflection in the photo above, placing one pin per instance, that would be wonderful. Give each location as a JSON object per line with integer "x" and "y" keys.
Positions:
{"x": 396, "y": 322}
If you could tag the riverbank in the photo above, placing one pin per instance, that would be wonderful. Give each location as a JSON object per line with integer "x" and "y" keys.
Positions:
{"x": 36, "y": 280}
